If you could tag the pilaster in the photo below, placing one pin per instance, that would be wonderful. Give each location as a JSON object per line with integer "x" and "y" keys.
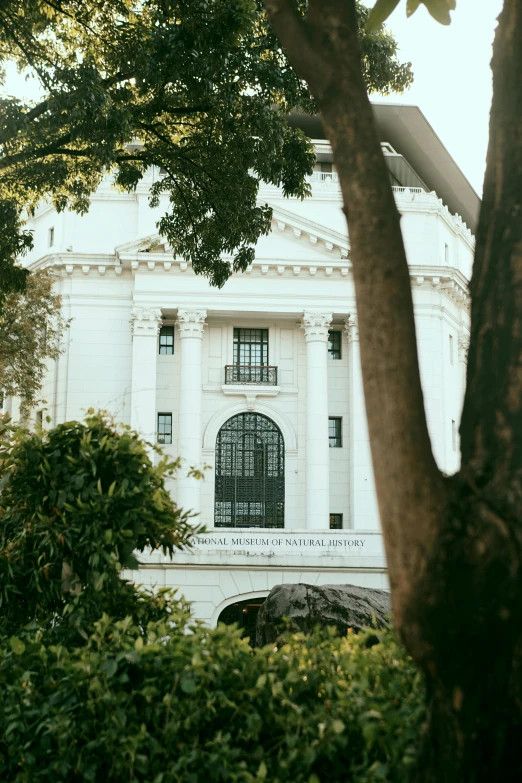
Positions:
{"x": 145, "y": 322}
{"x": 191, "y": 324}
{"x": 315, "y": 326}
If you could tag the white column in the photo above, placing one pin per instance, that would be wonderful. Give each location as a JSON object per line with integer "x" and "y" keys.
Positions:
{"x": 191, "y": 324}
{"x": 363, "y": 499}
{"x": 145, "y": 327}
{"x": 315, "y": 326}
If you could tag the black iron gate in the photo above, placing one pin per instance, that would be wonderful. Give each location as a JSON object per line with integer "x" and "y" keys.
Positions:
{"x": 250, "y": 473}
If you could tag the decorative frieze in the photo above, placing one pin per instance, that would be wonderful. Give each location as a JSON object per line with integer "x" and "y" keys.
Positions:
{"x": 146, "y": 321}
{"x": 191, "y": 323}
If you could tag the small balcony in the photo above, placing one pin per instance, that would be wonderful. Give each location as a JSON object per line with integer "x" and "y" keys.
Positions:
{"x": 250, "y": 375}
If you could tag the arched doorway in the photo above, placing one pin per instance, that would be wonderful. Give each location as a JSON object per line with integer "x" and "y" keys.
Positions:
{"x": 250, "y": 473}
{"x": 244, "y": 613}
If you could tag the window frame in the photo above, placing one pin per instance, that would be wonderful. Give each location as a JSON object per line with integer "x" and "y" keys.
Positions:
{"x": 160, "y": 346}
{"x": 335, "y": 349}
{"x": 339, "y": 519}
{"x": 337, "y": 436}
{"x": 238, "y": 343}
{"x": 164, "y": 433}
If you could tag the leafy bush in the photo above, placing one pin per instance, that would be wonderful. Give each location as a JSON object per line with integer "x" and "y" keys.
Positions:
{"x": 77, "y": 501}
{"x": 100, "y": 681}
{"x": 202, "y": 706}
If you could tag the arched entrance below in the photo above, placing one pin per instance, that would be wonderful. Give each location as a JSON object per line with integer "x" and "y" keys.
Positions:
{"x": 244, "y": 613}
{"x": 250, "y": 473}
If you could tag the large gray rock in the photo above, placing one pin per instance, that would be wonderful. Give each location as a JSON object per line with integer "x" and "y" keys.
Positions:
{"x": 307, "y": 606}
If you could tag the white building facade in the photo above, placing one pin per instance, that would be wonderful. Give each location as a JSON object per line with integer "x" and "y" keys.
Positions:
{"x": 261, "y": 380}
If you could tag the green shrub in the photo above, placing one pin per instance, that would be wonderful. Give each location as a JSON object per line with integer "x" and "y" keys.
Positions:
{"x": 203, "y": 706}
{"x": 76, "y": 502}
{"x": 100, "y": 681}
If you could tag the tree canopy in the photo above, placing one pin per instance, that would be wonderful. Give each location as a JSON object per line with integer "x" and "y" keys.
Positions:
{"x": 31, "y": 328}
{"x": 200, "y": 90}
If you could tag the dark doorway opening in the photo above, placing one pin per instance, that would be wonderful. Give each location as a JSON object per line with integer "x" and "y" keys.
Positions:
{"x": 244, "y": 613}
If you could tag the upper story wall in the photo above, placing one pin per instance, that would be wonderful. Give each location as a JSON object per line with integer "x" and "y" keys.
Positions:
{"x": 433, "y": 236}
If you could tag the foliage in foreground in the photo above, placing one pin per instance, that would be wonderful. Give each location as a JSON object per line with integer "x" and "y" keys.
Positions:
{"x": 77, "y": 501}
{"x": 100, "y": 681}
{"x": 31, "y": 327}
{"x": 183, "y": 707}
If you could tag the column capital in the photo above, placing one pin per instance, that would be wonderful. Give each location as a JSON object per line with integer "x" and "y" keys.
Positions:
{"x": 146, "y": 321}
{"x": 351, "y": 328}
{"x": 315, "y": 326}
{"x": 464, "y": 341}
{"x": 191, "y": 322}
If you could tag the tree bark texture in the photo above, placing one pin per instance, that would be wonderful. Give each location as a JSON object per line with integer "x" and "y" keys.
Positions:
{"x": 453, "y": 545}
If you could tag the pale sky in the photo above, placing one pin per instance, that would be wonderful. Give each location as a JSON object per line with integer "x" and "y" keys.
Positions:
{"x": 452, "y": 84}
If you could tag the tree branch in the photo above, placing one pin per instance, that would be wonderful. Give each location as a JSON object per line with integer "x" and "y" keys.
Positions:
{"x": 40, "y": 109}
{"x": 324, "y": 50}
{"x": 40, "y": 152}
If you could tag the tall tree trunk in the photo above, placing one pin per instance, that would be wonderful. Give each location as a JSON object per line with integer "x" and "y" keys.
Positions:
{"x": 453, "y": 546}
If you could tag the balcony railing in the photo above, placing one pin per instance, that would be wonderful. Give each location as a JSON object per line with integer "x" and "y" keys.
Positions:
{"x": 250, "y": 374}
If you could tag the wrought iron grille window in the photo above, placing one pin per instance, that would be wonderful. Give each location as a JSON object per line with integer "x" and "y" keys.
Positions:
{"x": 336, "y": 521}
{"x": 334, "y": 344}
{"x": 165, "y": 428}
{"x": 250, "y": 473}
{"x": 251, "y": 347}
{"x": 166, "y": 340}
{"x": 335, "y": 434}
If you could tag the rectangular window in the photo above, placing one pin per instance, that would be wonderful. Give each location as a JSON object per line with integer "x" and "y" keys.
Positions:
{"x": 51, "y": 237}
{"x": 335, "y": 436}
{"x": 451, "y": 354}
{"x": 336, "y": 521}
{"x": 165, "y": 428}
{"x": 251, "y": 347}
{"x": 39, "y": 420}
{"x": 446, "y": 254}
{"x": 334, "y": 344}
{"x": 166, "y": 340}
{"x": 454, "y": 435}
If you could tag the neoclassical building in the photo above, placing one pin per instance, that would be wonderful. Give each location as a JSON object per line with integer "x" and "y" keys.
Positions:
{"x": 261, "y": 381}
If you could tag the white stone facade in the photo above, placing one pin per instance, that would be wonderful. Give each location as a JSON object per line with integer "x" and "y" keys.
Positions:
{"x": 120, "y": 282}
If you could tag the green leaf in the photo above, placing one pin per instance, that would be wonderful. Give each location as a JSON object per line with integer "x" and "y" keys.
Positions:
{"x": 440, "y": 9}
{"x": 188, "y": 685}
{"x": 110, "y": 667}
{"x": 379, "y": 13}
{"x": 262, "y": 771}
{"x": 411, "y": 6}
{"x": 17, "y": 645}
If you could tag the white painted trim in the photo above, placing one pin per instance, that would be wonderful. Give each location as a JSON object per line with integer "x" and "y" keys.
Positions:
{"x": 228, "y": 601}
{"x": 219, "y": 418}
